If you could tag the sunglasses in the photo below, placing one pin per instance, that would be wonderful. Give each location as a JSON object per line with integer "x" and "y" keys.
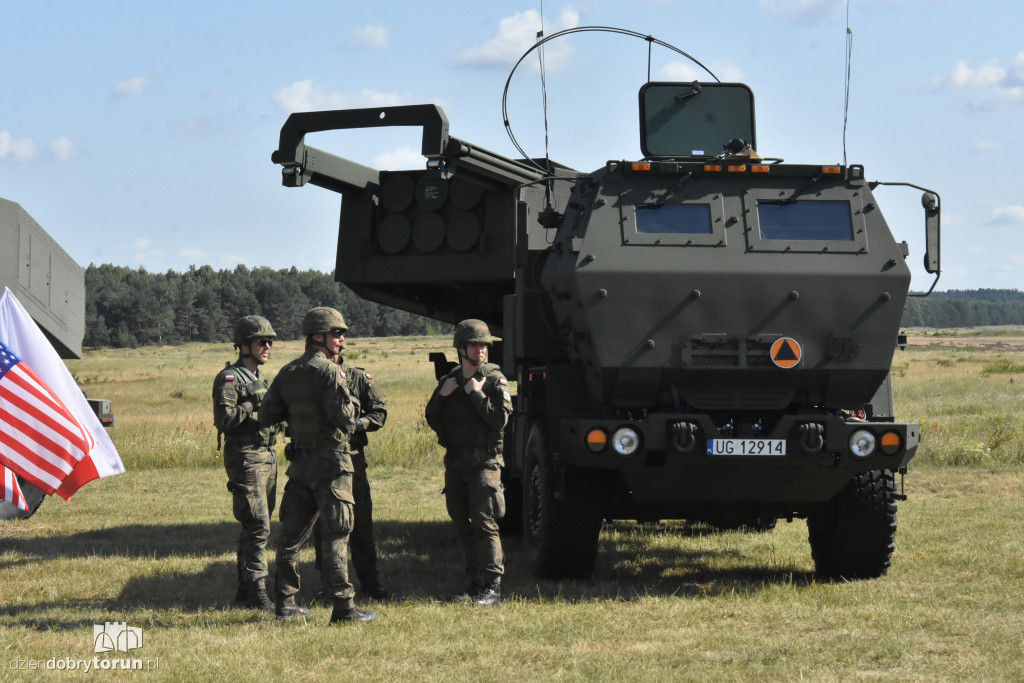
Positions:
{"x": 337, "y": 333}
{"x": 263, "y": 342}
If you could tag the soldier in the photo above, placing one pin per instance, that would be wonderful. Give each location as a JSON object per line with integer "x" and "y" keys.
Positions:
{"x": 311, "y": 394}
{"x": 361, "y": 543}
{"x": 249, "y": 454}
{"x": 468, "y": 411}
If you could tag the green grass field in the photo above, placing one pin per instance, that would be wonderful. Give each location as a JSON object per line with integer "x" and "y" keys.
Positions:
{"x": 155, "y": 548}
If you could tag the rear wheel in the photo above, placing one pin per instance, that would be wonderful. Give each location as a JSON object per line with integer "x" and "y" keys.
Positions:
{"x": 560, "y": 533}
{"x": 33, "y": 497}
{"x": 853, "y": 536}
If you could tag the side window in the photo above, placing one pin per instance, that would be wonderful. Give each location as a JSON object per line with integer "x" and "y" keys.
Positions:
{"x": 674, "y": 219}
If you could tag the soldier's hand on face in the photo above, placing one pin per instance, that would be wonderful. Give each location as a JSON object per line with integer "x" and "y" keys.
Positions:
{"x": 449, "y": 386}
{"x": 474, "y": 384}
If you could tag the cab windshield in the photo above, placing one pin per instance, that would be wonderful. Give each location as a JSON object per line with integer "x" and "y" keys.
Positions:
{"x": 807, "y": 220}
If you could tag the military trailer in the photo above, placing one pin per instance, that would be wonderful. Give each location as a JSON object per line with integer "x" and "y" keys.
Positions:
{"x": 703, "y": 334}
{"x": 51, "y": 287}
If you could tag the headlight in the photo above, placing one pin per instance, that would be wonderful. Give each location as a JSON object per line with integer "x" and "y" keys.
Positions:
{"x": 863, "y": 443}
{"x": 625, "y": 441}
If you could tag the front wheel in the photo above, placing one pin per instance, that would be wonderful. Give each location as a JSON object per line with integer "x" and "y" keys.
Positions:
{"x": 854, "y": 534}
{"x": 561, "y": 519}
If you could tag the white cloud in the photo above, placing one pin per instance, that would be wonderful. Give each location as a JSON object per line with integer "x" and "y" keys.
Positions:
{"x": 194, "y": 255}
{"x": 1008, "y": 214}
{"x": 1016, "y": 260}
{"x": 988, "y": 146}
{"x": 802, "y": 11}
{"x": 988, "y": 74}
{"x": 63, "y": 148}
{"x": 516, "y": 34}
{"x": 1001, "y": 85}
{"x": 133, "y": 87}
{"x": 308, "y": 96}
{"x": 369, "y": 37}
{"x": 141, "y": 244}
{"x": 402, "y": 158}
{"x": 16, "y": 150}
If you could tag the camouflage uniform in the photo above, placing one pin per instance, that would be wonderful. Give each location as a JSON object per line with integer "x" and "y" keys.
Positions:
{"x": 311, "y": 394}
{"x": 471, "y": 429}
{"x": 250, "y": 460}
{"x": 361, "y": 542}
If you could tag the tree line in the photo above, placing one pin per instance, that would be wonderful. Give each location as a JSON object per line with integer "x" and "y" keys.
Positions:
{"x": 965, "y": 308}
{"x": 127, "y": 307}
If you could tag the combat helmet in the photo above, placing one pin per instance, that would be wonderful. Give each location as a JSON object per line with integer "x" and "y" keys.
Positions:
{"x": 472, "y": 331}
{"x": 322, "y": 320}
{"x": 250, "y": 327}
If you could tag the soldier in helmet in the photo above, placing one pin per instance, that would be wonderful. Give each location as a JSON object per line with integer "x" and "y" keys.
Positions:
{"x": 249, "y": 454}
{"x": 361, "y": 543}
{"x": 468, "y": 411}
{"x": 311, "y": 394}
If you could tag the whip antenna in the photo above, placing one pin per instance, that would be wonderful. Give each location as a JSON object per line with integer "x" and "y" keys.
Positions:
{"x": 849, "y": 59}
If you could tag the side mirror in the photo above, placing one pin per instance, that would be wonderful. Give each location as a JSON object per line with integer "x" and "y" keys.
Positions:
{"x": 930, "y": 202}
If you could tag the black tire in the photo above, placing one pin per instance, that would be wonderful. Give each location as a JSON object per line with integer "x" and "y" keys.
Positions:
{"x": 511, "y": 525}
{"x": 853, "y": 536}
{"x": 33, "y": 497}
{"x": 560, "y": 536}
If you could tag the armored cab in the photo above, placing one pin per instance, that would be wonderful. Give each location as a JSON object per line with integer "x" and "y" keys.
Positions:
{"x": 702, "y": 334}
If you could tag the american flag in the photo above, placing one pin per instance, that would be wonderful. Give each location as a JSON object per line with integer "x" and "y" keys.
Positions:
{"x": 9, "y": 489}
{"x": 40, "y": 438}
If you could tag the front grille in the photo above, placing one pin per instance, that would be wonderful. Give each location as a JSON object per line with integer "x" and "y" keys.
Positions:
{"x": 729, "y": 353}
{"x": 715, "y": 354}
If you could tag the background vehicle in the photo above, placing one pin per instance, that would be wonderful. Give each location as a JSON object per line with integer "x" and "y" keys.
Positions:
{"x": 51, "y": 287}
{"x": 701, "y": 334}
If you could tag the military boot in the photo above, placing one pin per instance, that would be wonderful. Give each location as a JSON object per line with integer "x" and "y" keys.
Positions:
{"x": 470, "y": 593}
{"x": 289, "y": 610}
{"x": 256, "y": 596}
{"x": 348, "y": 612}
{"x": 490, "y": 594}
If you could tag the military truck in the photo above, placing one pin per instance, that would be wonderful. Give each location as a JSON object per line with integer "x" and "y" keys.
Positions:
{"x": 700, "y": 334}
{"x": 51, "y": 287}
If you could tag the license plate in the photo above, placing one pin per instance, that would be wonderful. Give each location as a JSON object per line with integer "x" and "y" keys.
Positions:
{"x": 746, "y": 446}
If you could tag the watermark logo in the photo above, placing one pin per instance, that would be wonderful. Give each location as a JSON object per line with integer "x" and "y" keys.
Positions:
{"x": 116, "y": 636}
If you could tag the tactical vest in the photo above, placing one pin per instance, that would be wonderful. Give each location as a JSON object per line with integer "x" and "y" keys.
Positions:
{"x": 248, "y": 435}
{"x": 465, "y": 433}
{"x": 301, "y": 388}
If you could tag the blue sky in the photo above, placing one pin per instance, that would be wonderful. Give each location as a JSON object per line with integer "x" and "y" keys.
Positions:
{"x": 139, "y": 133}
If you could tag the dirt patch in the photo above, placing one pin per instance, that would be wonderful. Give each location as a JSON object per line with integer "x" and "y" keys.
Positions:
{"x": 989, "y": 343}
